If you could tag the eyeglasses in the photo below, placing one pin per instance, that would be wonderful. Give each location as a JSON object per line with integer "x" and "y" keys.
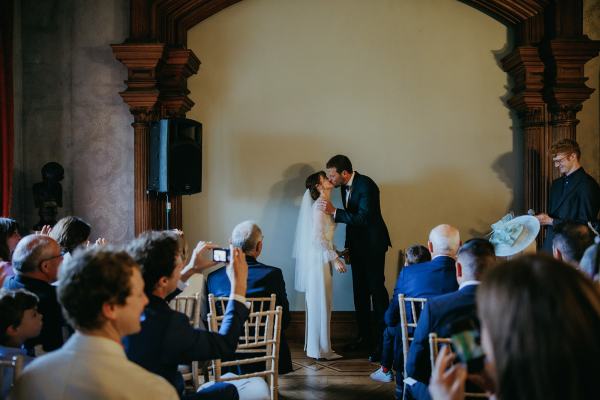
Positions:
{"x": 558, "y": 161}
{"x": 62, "y": 253}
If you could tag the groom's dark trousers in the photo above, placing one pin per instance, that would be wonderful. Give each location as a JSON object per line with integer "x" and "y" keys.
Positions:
{"x": 368, "y": 239}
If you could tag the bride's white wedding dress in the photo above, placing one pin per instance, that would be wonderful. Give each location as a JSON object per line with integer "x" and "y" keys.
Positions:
{"x": 314, "y": 253}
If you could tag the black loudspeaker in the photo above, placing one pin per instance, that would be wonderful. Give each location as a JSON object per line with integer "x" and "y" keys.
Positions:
{"x": 175, "y": 157}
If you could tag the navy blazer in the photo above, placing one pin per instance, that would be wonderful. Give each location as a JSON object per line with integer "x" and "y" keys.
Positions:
{"x": 51, "y": 335}
{"x": 167, "y": 339}
{"x": 365, "y": 229}
{"x": 263, "y": 280}
{"x": 428, "y": 279}
{"x": 437, "y": 316}
{"x": 579, "y": 201}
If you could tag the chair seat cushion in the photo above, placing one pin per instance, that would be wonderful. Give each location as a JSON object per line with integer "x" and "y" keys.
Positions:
{"x": 248, "y": 388}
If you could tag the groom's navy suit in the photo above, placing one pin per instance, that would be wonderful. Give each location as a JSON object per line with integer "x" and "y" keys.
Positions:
{"x": 367, "y": 239}
{"x": 576, "y": 198}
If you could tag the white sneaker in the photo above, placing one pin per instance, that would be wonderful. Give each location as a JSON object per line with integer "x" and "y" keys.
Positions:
{"x": 381, "y": 376}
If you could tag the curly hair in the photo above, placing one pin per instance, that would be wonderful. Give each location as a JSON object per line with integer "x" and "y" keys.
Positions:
{"x": 91, "y": 278}
{"x": 155, "y": 252}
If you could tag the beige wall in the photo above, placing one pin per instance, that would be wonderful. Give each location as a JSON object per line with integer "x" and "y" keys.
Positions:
{"x": 409, "y": 90}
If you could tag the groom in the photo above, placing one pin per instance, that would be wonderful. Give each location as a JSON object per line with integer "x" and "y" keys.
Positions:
{"x": 367, "y": 239}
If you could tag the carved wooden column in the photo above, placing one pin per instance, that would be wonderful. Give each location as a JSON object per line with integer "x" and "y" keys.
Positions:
{"x": 566, "y": 89}
{"x": 527, "y": 71}
{"x": 143, "y": 63}
{"x": 565, "y": 52}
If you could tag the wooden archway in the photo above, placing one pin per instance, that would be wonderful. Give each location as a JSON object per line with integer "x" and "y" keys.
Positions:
{"x": 546, "y": 65}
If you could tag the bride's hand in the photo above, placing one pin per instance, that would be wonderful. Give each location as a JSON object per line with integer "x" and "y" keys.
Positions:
{"x": 339, "y": 266}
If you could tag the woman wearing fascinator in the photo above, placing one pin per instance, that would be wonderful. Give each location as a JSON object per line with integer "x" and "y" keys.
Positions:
{"x": 315, "y": 257}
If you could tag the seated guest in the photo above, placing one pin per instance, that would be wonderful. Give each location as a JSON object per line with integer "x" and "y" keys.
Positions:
{"x": 19, "y": 321}
{"x": 36, "y": 261}
{"x": 102, "y": 294}
{"x": 428, "y": 279}
{"x": 263, "y": 280}
{"x": 9, "y": 237}
{"x": 590, "y": 262}
{"x": 415, "y": 254}
{"x": 570, "y": 240}
{"x": 70, "y": 232}
{"x": 167, "y": 339}
{"x": 540, "y": 324}
{"x": 474, "y": 258}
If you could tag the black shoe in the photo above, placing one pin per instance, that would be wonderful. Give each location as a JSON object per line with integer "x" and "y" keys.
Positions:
{"x": 375, "y": 357}
{"x": 356, "y": 345}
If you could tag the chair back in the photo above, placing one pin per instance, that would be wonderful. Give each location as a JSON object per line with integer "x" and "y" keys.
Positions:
{"x": 261, "y": 335}
{"x": 409, "y": 320}
{"x": 190, "y": 306}
{"x": 15, "y": 363}
{"x": 434, "y": 349}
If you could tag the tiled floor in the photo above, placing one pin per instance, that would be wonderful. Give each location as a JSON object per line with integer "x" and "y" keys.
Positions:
{"x": 344, "y": 379}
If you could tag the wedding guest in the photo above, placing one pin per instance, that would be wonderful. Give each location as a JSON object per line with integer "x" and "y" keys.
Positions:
{"x": 167, "y": 338}
{"x": 590, "y": 262}
{"x": 71, "y": 232}
{"x": 415, "y": 254}
{"x": 19, "y": 321}
{"x": 36, "y": 261}
{"x": 427, "y": 280}
{"x": 473, "y": 260}
{"x": 102, "y": 293}
{"x": 9, "y": 237}
{"x": 540, "y": 323}
{"x": 570, "y": 240}
{"x": 263, "y": 280}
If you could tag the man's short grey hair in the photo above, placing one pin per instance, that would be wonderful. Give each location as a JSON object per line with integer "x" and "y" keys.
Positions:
{"x": 246, "y": 235}
{"x": 445, "y": 239}
{"x": 30, "y": 252}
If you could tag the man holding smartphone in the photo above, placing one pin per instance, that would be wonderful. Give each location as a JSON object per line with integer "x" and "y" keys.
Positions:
{"x": 441, "y": 313}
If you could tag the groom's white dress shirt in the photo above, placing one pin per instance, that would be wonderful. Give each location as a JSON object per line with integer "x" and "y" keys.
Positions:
{"x": 89, "y": 367}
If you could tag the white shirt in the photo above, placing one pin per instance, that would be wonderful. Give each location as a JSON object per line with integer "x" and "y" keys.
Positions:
{"x": 468, "y": 283}
{"x": 89, "y": 367}
{"x": 349, "y": 187}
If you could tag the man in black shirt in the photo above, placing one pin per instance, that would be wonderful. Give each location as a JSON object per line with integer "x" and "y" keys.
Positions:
{"x": 574, "y": 196}
{"x": 36, "y": 261}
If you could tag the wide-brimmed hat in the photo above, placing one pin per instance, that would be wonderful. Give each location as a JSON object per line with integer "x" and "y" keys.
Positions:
{"x": 512, "y": 235}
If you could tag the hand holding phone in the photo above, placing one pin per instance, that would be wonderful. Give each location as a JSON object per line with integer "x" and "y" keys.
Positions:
{"x": 220, "y": 255}
{"x": 467, "y": 344}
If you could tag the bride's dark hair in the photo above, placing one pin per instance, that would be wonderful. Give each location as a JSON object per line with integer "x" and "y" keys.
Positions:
{"x": 311, "y": 183}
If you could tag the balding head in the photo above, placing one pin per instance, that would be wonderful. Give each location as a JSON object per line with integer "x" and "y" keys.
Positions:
{"x": 37, "y": 256}
{"x": 444, "y": 240}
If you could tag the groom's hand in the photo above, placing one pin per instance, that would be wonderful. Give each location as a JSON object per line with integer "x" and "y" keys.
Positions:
{"x": 326, "y": 207}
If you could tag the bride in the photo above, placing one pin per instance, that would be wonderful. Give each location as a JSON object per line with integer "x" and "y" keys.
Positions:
{"x": 315, "y": 256}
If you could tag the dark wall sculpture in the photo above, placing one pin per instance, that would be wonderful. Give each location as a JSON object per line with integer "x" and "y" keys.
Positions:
{"x": 546, "y": 65}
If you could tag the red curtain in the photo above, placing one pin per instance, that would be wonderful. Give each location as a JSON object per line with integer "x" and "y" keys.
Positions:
{"x": 6, "y": 104}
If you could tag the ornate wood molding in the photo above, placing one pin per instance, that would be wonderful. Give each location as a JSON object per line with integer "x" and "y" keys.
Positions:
{"x": 546, "y": 65}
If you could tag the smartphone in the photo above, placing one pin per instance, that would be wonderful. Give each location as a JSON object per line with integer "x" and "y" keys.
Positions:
{"x": 221, "y": 255}
{"x": 466, "y": 342}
